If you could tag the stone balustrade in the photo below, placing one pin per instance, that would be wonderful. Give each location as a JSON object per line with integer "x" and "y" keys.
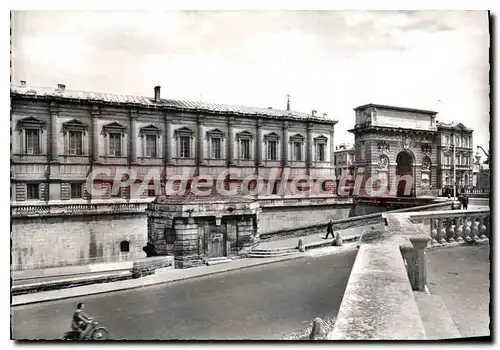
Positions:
{"x": 455, "y": 226}
{"x": 379, "y": 301}
{"x": 76, "y": 209}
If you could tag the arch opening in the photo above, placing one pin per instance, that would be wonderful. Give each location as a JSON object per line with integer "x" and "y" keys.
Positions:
{"x": 405, "y": 174}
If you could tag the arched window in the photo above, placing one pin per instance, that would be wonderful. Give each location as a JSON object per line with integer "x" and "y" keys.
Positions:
{"x": 124, "y": 246}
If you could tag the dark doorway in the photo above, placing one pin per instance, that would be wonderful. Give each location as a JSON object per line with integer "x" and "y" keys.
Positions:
{"x": 216, "y": 240}
{"x": 406, "y": 186}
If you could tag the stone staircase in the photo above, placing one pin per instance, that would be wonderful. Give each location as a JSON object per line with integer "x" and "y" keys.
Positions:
{"x": 271, "y": 252}
{"x": 436, "y": 319}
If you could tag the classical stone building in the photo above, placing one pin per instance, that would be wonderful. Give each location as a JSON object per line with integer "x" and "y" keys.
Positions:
{"x": 60, "y": 136}
{"x": 455, "y": 152}
{"x": 392, "y": 143}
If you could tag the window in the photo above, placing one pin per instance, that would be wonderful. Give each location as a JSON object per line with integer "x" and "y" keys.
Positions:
{"x": 184, "y": 138}
{"x": 150, "y": 135}
{"x": 244, "y": 140}
{"x": 151, "y": 192}
{"x": 215, "y": 137}
{"x": 32, "y": 141}
{"x": 215, "y": 148}
{"x": 272, "y": 150}
{"x": 320, "y": 152}
{"x": 185, "y": 147}
{"x": 151, "y": 146}
{"x": 75, "y": 143}
{"x": 115, "y": 145}
{"x": 245, "y": 149}
{"x": 297, "y": 142}
{"x": 114, "y": 133}
{"x": 320, "y": 146}
{"x": 457, "y": 160}
{"x": 271, "y": 144}
{"x": 76, "y": 190}
{"x": 74, "y": 131}
{"x": 32, "y": 191}
{"x": 297, "y": 151}
{"x": 447, "y": 160}
{"x": 32, "y": 128}
{"x": 124, "y": 246}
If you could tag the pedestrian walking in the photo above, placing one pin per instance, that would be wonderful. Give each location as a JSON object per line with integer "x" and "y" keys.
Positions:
{"x": 466, "y": 202}
{"x": 329, "y": 229}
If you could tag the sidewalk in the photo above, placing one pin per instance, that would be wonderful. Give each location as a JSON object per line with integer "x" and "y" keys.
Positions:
{"x": 348, "y": 234}
{"x": 166, "y": 276}
{"x": 460, "y": 276}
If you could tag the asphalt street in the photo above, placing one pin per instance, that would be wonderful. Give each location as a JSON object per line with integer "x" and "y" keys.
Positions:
{"x": 263, "y": 302}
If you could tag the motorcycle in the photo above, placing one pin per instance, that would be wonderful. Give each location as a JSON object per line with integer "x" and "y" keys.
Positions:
{"x": 96, "y": 333}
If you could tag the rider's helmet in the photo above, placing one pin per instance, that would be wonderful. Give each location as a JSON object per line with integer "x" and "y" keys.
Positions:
{"x": 80, "y": 306}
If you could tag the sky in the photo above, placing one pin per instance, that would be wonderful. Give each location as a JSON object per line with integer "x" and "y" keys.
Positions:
{"x": 329, "y": 61}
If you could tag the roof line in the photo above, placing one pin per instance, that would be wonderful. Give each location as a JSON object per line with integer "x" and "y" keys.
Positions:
{"x": 148, "y": 102}
{"x": 398, "y": 108}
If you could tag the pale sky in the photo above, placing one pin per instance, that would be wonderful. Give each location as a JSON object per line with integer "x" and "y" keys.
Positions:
{"x": 330, "y": 61}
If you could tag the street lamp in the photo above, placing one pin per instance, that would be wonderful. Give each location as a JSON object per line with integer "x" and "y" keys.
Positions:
{"x": 454, "y": 170}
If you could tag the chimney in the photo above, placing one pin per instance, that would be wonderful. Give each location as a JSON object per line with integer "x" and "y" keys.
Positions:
{"x": 287, "y": 102}
{"x": 61, "y": 87}
{"x": 269, "y": 107}
{"x": 313, "y": 113}
{"x": 23, "y": 82}
{"x": 157, "y": 94}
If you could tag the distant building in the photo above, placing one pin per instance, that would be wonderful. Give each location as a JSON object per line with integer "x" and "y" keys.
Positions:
{"x": 480, "y": 175}
{"x": 455, "y": 151}
{"x": 344, "y": 159}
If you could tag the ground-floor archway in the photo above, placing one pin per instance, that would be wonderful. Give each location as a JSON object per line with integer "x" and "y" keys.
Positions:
{"x": 405, "y": 168}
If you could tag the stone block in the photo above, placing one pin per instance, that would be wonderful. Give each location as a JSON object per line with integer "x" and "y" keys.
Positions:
{"x": 148, "y": 266}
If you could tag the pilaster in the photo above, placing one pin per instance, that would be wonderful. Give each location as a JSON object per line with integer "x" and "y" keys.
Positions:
{"x": 133, "y": 137}
{"x": 285, "y": 143}
{"x": 95, "y": 114}
{"x": 52, "y": 132}
{"x": 230, "y": 141}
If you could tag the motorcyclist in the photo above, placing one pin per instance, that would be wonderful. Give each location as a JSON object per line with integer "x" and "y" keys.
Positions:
{"x": 81, "y": 323}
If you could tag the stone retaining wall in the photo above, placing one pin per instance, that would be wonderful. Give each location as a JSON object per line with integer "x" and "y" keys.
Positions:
{"x": 148, "y": 266}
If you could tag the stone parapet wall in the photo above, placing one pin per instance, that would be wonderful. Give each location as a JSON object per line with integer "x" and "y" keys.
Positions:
{"x": 148, "y": 266}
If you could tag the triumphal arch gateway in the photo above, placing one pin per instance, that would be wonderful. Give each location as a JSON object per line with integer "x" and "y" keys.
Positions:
{"x": 392, "y": 143}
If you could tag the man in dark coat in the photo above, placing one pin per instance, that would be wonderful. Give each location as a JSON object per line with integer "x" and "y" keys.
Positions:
{"x": 329, "y": 229}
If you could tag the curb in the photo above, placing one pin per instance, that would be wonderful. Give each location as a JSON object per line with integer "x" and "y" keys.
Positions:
{"x": 175, "y": 279}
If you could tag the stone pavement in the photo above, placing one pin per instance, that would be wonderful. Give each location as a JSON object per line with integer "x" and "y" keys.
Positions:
{"x": 460, "y": 275}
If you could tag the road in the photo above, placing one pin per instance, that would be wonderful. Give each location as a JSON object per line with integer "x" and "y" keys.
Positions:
{"x": 461, "y": 276}
{"x": 264, "y": 302}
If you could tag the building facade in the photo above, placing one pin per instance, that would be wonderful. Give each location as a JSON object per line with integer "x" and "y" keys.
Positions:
{"x": 394, "y": 143}
{"x": 455, "y": 153}
{"x": 60, "y": 136}
{"x": 344, "y": 159}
